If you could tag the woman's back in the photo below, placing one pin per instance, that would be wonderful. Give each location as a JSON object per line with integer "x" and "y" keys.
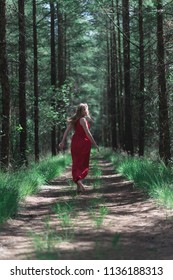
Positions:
{"x": 79, "y": 131}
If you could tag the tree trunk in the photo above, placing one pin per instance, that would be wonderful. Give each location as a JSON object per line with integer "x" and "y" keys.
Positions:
{"x": 127, "y": 91}
{"x": 107, "y": 126}
{"x": 113, "y": 86}
{"x": 164, "y": 139}
{"x": 61, "y": 48}
{"x": 5, "y": 141}
{"x": 53, "y": 74}
{"x": 64, "y": 30}
{"x": 120, "y": 97}
{"x": 22, "y": 81}
{"x": 141, "y": 81}
{"x": 36, "y": 93}
{"x": 61, "y": 63}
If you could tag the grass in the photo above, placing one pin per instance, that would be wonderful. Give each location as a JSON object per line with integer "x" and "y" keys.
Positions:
{"x": 64, "y": 212}
{"x": 96, "y": 172}
{"x": 97, "y": 210}
{"x": 16, "y": 186}
{"x": 45, "y": 242}
{"x": 151, "y": 175}
{"x": 94, "y": 202}
{"x": 95, "y": 169}
{"x": 98, "y": 216}
{"x": 9, "y": 197}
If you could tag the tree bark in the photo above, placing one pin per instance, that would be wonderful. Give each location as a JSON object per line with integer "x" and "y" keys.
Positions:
{"x": 5, "y": 141}
{"x": 120, "y": 96}
{"x": 141, "y": 81}
{"x": 61, "y": 69}
{"x": 107, "y": 126}
{"x": 127, "y": 90}
{"x": 164, "y": 134}
{"x": 113, "y": 85}
{"x": 53, "y": 74}
{"x": 61, "y": 48}
{"x": 22, "y": 83}
{"x": 36, "y": 93}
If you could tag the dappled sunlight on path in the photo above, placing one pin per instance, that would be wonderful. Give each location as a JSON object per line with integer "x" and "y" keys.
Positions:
{"x": 133, "y": 226}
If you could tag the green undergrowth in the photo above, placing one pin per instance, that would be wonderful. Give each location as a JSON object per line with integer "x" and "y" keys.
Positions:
{"x": 15, "y": 186}
{"x": 45, "y": 242}
{"x": 95, "y": 169}
{"x": 151, "y": 175}
{"x": 64, "y": 212}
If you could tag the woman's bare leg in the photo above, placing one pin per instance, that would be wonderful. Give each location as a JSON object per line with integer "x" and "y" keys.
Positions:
{"x": 80, "y": 186}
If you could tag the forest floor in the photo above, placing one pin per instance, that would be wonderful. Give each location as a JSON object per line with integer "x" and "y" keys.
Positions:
{"x": 133, "y": 226}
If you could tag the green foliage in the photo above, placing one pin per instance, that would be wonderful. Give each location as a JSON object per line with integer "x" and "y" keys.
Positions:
{"x": 95, "y": 169}
{"x": 99, "y": 215}
{"x": 64, "y": 211}
{"x": 94, "y": 202}
{"x": 144, "y": 172}
{"x": 97, "y": 210}
{"x": 45, "y": 242}
{"x": 149, "y": 3}
{"x": 16, "y": 186}
{"x": 9, "y": 197}
{"x": 86, "y": 26}
{"x": 52, "y": 166}
{"x": 153, "y": 177}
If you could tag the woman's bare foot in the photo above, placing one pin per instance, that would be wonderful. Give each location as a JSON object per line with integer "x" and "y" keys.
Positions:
{"x": 80, "y": 187}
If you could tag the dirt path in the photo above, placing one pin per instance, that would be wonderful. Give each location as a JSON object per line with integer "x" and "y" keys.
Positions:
{"x": 133, "y": 228}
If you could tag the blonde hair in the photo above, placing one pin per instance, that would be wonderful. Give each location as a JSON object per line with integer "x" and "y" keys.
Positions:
{"x": 73, "y": 119}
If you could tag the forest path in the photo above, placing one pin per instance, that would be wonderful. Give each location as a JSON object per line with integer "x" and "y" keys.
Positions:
{"x": 134, "y": 227}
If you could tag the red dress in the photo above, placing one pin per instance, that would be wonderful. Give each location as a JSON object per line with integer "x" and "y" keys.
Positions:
{"x": 80, "y": 151}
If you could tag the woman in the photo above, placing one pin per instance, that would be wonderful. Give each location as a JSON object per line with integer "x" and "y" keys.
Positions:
{"x": 82, "y": 140}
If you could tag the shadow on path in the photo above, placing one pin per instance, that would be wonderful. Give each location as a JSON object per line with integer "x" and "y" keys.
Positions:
{"x": 134, "y": 227}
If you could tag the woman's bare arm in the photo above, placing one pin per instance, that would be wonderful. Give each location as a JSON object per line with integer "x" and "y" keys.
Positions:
{"x": 61, "y": 145}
